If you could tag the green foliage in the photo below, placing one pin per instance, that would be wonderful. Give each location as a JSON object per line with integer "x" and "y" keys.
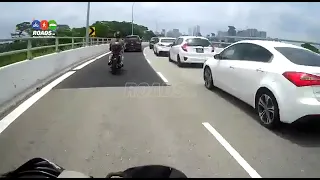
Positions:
{"x": 104, "y": 29}
{"x": 310, "y": 47}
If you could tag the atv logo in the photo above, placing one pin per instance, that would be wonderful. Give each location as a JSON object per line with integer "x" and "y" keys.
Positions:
{"x": 44, "y": 28}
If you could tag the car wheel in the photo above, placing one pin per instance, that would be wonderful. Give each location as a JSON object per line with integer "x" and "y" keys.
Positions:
{"x": 178, "y": 61}
{"x": 267, "y": 109}
{"x": 156, "y": 53}
{"x": 207, "y": 76}
{"x": 150, "y": 47}
{"x": 170, "y": 60}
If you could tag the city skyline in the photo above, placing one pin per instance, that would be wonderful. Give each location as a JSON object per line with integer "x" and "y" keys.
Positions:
{"x": 282, "y": 20}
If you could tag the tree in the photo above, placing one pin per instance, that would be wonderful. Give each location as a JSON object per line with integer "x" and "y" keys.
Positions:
{"x": 21, "y": 28}
{"x": 310, "y": 47}
{"x": 104, "y": 29}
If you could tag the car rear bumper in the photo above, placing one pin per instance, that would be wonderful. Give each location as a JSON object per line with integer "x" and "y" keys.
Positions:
{"x": 195, "y": 57}
{"x": 297, "y": 110}
{"x": 133, "y": 48}
{"x": 163, "y": 49}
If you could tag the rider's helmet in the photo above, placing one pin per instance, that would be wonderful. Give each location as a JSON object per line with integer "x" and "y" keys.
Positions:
{"x": 117, "y": 34}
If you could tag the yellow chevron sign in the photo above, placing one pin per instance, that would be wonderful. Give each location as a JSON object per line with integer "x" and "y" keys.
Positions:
{"x": 92, "y": 31}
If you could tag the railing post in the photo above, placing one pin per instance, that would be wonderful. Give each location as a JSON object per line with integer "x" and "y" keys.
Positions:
{"x": 83, "y": 42}
{"x": 72, "y": 43}
{"x": 57, "y": 44}
{"x": 91, "y": 41}
{"x": 29, "y": 47}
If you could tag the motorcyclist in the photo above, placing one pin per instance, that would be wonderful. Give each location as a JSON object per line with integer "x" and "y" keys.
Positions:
{"x": 115, "y": 43}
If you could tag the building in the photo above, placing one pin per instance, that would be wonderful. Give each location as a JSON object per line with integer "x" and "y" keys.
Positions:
{"x": 163, "y": 32}
{"x": 194, "y": 32}
{"x": 263, "y": 34}
{"x": 190, "y": 31}
{"x": 198, "y": 30}
{"x": 176, "y": 33}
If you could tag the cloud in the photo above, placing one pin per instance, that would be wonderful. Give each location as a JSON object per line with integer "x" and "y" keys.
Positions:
{"x": 283, "y": 20}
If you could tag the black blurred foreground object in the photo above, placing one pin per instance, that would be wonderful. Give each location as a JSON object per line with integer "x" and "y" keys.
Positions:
{"x": 42, "y": 168}
{"x": 149, "y": 171}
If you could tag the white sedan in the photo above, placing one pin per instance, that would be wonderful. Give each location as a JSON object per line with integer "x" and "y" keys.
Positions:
{"x": 281, "y": 81}
{"x": 190, "y": 49}
{"x": 163, "y": 45}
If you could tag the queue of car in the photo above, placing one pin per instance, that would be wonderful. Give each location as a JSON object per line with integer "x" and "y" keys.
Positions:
{"x": 280, "y": 81}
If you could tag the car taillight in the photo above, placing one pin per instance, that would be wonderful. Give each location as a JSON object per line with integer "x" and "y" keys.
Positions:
{"x": 184, "y": 47}
{"x": 301, "y": 79}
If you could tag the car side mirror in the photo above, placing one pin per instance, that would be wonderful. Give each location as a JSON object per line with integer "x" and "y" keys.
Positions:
{"x": 217, "y": 56}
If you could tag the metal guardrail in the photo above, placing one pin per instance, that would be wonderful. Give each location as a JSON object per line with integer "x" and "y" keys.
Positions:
{"x": 97, "y": 40}
{"x": 29, "y": 48}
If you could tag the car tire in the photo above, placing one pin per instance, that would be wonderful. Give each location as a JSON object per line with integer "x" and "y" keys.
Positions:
{"x": 207, "y": 77}
{"x": 150, "y": 47}
{"x": 170, "y": 60}
{"x": 157, "y": 54}
{"x": 178, "y": 61}
{"x": 270, "y": 120}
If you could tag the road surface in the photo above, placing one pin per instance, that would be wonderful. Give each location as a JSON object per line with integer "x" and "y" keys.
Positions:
{"x": 153, "y": 113}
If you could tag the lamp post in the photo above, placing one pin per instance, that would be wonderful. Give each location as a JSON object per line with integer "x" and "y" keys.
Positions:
{"x": 87, "y": 26}
{"x": 132, "y": 18}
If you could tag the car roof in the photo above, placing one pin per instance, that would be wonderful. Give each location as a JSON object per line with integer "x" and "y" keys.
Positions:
{"x": 188, "y": 37}
{"x": 132, "y": 36}
{"x": 269, "y": 44}
{"x": 166, "y": 38}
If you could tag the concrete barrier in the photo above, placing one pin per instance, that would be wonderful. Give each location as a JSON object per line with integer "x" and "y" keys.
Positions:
{"x": 21, "y": 79}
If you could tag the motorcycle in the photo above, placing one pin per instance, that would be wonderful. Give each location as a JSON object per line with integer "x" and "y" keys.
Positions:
{"x": 42, "y": 168}
{"x": 115, "y": 62}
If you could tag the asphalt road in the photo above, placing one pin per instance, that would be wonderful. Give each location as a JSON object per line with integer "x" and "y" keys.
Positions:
{"x": 154, "y": 113}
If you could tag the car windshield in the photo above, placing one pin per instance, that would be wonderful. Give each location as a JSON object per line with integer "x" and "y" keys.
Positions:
{"x": 167, "y": 40}
{"x": 300, "y": 56}
{"x": 198, "y": 42}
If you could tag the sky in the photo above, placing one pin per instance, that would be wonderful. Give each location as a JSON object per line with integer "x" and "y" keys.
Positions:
{"x": 296, "y": 20}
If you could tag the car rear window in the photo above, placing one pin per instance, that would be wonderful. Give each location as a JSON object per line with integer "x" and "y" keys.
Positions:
{"x": 198, "y": 42}
{"x": 132, "y": 38}
{"x": 300, "y": 56}
{"x": 167, "y": 40}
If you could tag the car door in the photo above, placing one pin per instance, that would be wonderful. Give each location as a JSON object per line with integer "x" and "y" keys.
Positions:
{"x": 250, "y": 70}
{"x": 174, "y": 51}
{"x": 225, "y": 75}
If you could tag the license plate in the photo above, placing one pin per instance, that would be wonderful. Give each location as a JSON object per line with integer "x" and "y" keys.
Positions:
{"x": 199, "y": 50}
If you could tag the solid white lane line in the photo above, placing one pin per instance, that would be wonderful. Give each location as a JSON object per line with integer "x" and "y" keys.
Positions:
{"x": 148, "y": 61}
{"x": 243, "y": 163}
{"x": 162, "y": 77}
{"x": 90, "y": 61}
{"x": 13, "y": 115}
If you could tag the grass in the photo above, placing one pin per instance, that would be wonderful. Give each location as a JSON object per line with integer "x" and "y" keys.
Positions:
{"x": 13, "y": 58}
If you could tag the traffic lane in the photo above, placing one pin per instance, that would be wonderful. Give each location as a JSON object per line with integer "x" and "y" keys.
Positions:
{"x": 188, "y": 75}
{"x": 136, "y": 71}
{"x": 290, "y": 152}
{"x": 99, "y": 130}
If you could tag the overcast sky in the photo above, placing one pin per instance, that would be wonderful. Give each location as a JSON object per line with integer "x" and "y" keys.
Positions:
{"x": 299, "y": 21}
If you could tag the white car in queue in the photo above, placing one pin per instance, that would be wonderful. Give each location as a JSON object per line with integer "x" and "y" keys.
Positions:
{"x": 163, "y": 45}
{"x": 281, "y": 81}
{"x": 190, "y": 49}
